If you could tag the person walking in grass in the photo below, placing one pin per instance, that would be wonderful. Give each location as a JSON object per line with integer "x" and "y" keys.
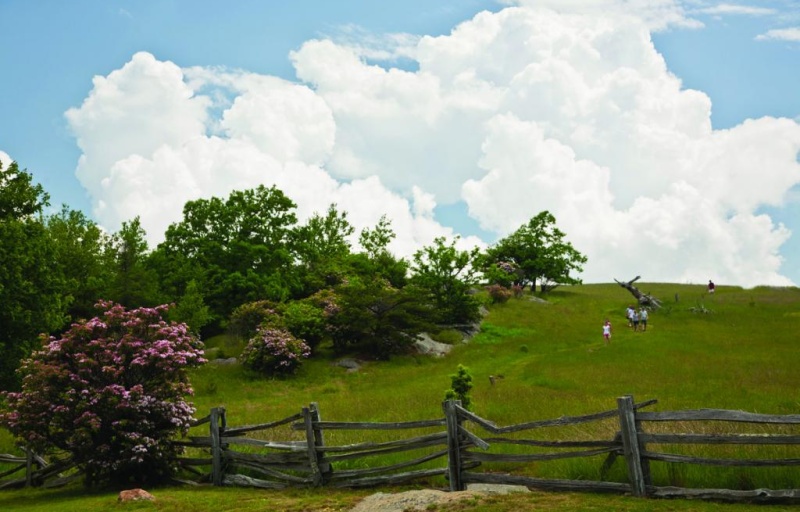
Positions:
{"x": 643, "y": 314}
{"x": 607, "y": 331}
{"x": 635, "y": 320}
{"x": 629, "y": 315}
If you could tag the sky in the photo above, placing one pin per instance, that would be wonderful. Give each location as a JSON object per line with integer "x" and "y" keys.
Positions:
{"x": 663, "y": 135}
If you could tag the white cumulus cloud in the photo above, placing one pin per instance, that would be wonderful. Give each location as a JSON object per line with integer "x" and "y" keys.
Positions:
{"x": 562, "y": 106}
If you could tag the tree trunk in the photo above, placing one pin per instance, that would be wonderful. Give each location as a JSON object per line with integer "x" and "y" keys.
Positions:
{"x": 643, "y": 299}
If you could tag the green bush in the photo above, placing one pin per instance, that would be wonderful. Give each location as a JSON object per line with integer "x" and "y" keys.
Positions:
{"x": 460, "y": 386}
{"x": 305, "y": 321}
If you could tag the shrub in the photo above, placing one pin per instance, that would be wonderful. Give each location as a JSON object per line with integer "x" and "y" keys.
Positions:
{"x": 247, "y": 318}
{"x": 305, "y": 321}
{"x": 274, "y": 351}
{"x": 110, "y": 392}
{"x": 460, "y": 386}
{"x": 499, "y": 294}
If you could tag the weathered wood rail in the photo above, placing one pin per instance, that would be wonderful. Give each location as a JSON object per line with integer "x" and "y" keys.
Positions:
{"x": 456, "y": 446}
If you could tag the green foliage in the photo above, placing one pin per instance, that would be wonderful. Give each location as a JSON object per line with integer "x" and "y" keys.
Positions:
{"x": 247, "y": 318}
{"x": 446, "y": 275}
{"x": 20, "y": 198}
{"x": 374, "y": 318}
{"x": 306, "y": 321}
{"x": 540, "y": 252}
{"x": 191, "y": 308}
{"x": 32, "y": 290}
{"x": 460, "y": 387}
{"x": 133, "y": 284}
{"x": 322, "y": 249}
{"x": 376, "y": 241}
{"x": 239, "y": 249}
{"x": 80, "y": 246}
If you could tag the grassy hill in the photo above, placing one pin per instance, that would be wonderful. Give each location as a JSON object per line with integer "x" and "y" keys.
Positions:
{"x": 741, "y": 354}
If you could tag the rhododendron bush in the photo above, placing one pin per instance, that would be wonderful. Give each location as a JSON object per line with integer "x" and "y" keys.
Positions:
{"x": 111, "y": 393}
{"x": 274, "y": 351}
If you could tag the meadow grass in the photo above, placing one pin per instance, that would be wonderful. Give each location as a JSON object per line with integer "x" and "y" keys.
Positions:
{"x": 549, "y": 360}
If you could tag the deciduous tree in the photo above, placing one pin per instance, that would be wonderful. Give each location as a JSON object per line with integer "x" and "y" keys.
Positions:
{"x": 541, "y": 253}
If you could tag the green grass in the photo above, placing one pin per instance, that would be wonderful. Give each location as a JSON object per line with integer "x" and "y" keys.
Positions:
{"x": 741, "y": 355}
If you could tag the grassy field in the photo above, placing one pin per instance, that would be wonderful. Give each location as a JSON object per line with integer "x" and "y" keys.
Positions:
{"x": 742, "y": 354}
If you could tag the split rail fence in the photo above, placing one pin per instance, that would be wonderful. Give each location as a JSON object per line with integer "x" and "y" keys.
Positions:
{"x": 253, "y": 456}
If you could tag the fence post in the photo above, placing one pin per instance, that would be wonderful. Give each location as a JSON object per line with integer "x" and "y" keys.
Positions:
{"x": 216, "y": 424}
{"x": 325, "y": 467}
{"x": 453, "y": 445}
{"x": 311, "y": 446}
{"x": 630, "y": 444}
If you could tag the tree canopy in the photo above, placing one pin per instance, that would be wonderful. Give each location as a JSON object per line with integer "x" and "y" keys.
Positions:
{"x": 540, "y": 252}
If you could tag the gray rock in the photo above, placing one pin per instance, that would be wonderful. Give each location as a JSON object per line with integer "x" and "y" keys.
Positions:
{"x": 426, "y": 345}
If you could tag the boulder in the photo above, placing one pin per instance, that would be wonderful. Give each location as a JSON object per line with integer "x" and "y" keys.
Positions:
{"x": 135, "y": 495}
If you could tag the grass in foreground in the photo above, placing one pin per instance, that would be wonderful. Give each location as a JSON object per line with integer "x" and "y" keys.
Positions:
{"x": 742, "y": 355}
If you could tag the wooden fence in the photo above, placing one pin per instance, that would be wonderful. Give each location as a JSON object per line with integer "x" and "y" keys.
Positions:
{"x": 458, "y": 444}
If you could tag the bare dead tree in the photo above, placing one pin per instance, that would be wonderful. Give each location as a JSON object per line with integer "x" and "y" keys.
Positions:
{"x": 644, "y": 299}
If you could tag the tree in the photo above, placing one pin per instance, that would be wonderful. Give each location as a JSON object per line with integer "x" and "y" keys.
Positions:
{"x": 32, "y": 299}
{"x": 540, "y": 252}
{"x": 110, "y": 392}
{"x": 447, "y": 276}
{"x": 79, "y": 246}
{"x": 375, "y": 259}
{"x": 371, "y": 316}
{"x": 239, "y": 249}
{"x": 460, "y": 386}
{"x": 322, "y": 248}
{"x": 133, "y": 283}
{"x": 192, "y": 309}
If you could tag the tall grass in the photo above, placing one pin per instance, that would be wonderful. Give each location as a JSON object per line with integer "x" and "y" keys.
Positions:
{"x": 549, "y": 360}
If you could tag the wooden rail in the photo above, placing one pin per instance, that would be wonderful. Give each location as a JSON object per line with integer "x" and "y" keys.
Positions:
{"x": 455, "y": 447}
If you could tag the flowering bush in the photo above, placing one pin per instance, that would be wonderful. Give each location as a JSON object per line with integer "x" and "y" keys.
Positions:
{"x": 503, "y": 273}
{"x": 274, "y": 351}
{"x": 111, "y": 393}
{"x": 499, "y": 294}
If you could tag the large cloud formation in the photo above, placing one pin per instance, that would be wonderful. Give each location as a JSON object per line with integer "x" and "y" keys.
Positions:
{"x": 514, "y": 112}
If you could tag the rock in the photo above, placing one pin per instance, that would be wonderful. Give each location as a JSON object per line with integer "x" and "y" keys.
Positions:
{"x": 350, "y": 364}
{"x": 426, "y": 345}
{"x": 135, "y": 495}
{"x": 228, "y": 361}
{"x": 497, "y": 488}
{"x": 428, "y": 499}
{"x": 410, "y": 500}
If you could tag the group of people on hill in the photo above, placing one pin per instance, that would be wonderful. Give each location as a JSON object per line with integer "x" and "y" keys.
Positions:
{"x": 637, "y": 320}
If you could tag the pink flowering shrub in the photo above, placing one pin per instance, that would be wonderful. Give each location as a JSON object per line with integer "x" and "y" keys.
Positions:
{"x": 499, "y": 294}
{"x": 110, "y": 392}
{"x": 274, "y": 351}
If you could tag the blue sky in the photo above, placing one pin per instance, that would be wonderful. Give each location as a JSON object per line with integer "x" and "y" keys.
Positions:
{"x": 346, "y": 131}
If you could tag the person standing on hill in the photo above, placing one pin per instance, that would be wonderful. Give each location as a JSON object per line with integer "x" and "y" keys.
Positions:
{"x": 711, "y": 286}
{"x": 629, "y": 315}
{"x": 643, "y": 314}
{"x": 635, "y": 320}
{"x": 607, "y": 331}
